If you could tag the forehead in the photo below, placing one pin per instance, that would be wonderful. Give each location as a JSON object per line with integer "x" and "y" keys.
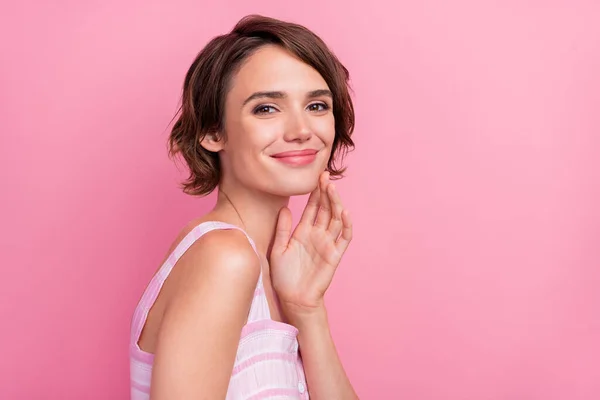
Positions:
{"x": 274, "y": 68}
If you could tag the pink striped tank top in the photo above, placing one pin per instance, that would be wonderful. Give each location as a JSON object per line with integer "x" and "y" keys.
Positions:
{"x": 267, "y": 363}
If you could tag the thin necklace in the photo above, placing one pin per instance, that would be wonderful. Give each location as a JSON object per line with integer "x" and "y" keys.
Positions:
{"x": 235, "y": 209}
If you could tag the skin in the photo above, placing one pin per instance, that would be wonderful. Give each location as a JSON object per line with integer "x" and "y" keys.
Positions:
{"x": 298, "y": 266}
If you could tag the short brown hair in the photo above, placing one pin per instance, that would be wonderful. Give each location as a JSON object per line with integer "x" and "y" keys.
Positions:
{"x": 207, "y": 83}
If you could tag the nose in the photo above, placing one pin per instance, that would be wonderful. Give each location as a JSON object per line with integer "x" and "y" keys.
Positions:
{"x": 297, "y": 128}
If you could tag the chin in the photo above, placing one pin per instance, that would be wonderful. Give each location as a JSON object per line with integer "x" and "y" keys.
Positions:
{"x": 298, "y": 187}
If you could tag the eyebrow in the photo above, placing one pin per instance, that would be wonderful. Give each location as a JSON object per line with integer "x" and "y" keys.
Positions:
{"x": 283, "y": 95}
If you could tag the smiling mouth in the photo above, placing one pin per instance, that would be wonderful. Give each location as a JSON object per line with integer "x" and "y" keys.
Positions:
{"x": 296, "y": 157}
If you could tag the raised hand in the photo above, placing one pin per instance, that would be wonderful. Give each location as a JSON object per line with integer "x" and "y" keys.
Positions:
{"x": 303, "y": 264}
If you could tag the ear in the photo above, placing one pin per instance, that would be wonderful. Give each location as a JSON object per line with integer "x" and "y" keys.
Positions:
{"x": 213, "y": 141}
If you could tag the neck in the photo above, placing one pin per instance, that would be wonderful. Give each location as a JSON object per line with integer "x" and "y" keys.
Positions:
{"x": 256, "y": 212}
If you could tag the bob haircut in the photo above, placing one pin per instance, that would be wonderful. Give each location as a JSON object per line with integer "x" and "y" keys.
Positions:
{"x": 207, "y": 83}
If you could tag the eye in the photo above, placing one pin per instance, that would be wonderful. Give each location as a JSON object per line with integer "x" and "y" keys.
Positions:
{"x": 263, "y": 109}
{"x": 318, "y": 107}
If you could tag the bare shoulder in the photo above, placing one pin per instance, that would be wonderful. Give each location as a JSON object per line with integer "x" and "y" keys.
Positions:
{"x": 223, "y": 257}
{"x": 224, "y": 249}
{"x": 204, "y": 315}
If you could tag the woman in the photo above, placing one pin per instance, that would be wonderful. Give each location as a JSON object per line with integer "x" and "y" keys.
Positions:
{"x": 265, "y": 113}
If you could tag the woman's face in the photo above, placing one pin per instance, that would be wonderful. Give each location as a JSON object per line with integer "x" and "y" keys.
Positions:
{"x": 279, "y": 125}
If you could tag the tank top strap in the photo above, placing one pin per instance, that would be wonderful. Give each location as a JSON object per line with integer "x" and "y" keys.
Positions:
{"x": 156, "y": 283}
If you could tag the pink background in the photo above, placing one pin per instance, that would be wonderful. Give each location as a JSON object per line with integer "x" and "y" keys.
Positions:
{"x": 475, "y": 189}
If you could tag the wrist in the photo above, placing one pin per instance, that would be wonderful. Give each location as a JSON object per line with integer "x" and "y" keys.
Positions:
{"x": 309, "y": 319}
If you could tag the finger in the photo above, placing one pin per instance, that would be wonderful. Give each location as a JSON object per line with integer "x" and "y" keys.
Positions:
{"x": 324, "y": 213}
{"x": 282, "y": 231}
{"x": 312, "y": 206}
{"x": 335, "y": 223}
{"x": 346, "y": 237}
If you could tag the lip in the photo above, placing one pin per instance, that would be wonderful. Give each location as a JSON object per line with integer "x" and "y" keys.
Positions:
{"x": 295, "y": 153}
{"x": 296, "y": 157}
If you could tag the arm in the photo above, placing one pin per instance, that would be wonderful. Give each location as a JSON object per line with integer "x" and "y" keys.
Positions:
{"x": 325, "y": 375}
{"x": 302, "y": 267}
{"x": 201, "y": 327}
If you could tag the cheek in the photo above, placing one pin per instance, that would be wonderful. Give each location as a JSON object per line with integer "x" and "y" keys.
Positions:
{"x": 254, "y": 136}
{"x": 325, "y": 129}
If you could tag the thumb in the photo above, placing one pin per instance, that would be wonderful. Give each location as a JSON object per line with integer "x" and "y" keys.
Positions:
{"x": 282, "y": 231}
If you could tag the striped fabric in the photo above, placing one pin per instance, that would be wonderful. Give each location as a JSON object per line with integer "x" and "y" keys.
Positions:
{"x": 267, "y": 363}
